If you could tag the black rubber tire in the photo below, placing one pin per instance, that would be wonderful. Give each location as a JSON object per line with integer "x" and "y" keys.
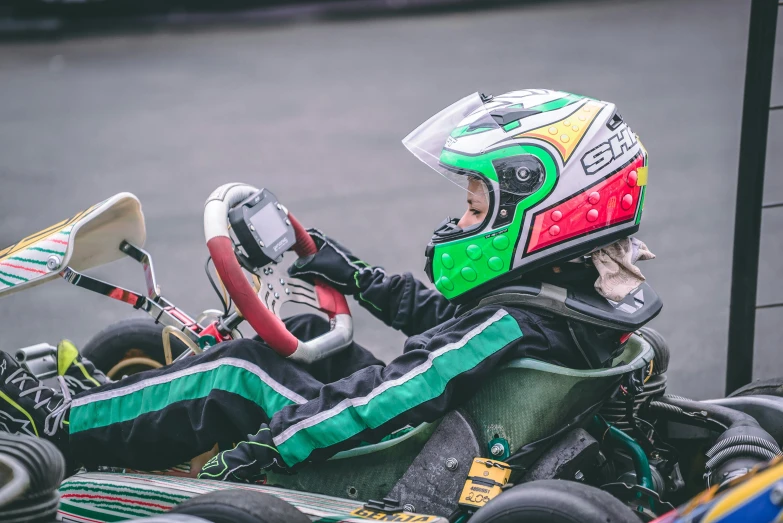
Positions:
{"x": 40, "y": 509}
{"x": 770, "y": 387}
{"x": 43, "y": 462}
{"x": 660, "y": 349}
{"x": 129, "y": 338}
{"x": 240, "y": 506}
{"x": 45, "y": 467}
{"x": 554, "y": 501}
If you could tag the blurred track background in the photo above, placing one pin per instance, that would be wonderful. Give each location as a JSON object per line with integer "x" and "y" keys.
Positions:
{"x": 313, "y": 106}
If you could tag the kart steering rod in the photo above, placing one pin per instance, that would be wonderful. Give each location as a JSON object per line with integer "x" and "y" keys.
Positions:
{"x": 266, "y": 324}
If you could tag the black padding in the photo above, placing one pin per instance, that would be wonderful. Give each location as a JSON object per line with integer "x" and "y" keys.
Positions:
{"x": 583, "y": 304}
{"x": 639, "y": 307}
{"x": 563, "y": 459}
{"x": 428, "y": 484}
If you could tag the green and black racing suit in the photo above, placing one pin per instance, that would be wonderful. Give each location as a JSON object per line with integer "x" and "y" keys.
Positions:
{"x": 165, "y": 416}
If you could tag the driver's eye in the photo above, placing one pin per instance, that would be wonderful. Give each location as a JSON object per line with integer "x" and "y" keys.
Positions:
{"x": 475, "y": 212}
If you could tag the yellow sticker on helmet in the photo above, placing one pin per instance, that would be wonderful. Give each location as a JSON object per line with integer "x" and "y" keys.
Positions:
{"x": 641, "y": 176}
{"x": 641, "y": 172}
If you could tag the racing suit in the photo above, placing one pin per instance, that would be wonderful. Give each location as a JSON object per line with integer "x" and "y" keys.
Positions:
{"x": 165, "y": 416}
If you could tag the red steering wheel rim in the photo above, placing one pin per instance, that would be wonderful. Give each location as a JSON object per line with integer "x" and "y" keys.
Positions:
{"x": 268, "y": 326}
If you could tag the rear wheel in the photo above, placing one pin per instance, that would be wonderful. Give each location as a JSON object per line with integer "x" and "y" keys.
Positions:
{"x": 660, "y": 349}
{"x": 30, "y": 473}
{"x": 770, "y": 387}
{"x": 129, "y": 347}
{"x": 240, "y": 506}
{"x": 554, "y": 501}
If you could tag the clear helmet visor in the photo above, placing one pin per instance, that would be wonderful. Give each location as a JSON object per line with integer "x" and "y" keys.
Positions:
{"x": 464, "y": 130}
{"x": 465, "y": 119}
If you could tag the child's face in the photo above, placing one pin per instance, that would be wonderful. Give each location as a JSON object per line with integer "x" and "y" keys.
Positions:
{"x": 478, "y": 204}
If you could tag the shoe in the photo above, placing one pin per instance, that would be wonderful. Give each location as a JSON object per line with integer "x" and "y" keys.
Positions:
{"x": 78, "y": 372}
{"x": 29, "y": 407}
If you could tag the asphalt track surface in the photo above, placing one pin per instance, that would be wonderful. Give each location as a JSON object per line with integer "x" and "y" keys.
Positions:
{"x": 315, "y": 110}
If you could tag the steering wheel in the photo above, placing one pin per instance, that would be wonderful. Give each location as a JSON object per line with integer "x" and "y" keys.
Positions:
{"x": 263, "y": 314}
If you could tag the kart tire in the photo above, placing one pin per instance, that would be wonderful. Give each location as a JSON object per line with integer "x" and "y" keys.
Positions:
{"x": 554, "y": 501}
{"x": 41, "y": 460}
{"x": 660, "y": 348}
{"x": 134, "y": 338}
{"x": 770, "y": 387}
{"x": 45, "y": 467}
{"x": 240, "y": 506}
{"x": 39, "y": 509}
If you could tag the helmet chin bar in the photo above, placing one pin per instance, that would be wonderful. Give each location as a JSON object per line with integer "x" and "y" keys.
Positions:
{"x": 265, "y": 320}
{"x": 449, "y": 229}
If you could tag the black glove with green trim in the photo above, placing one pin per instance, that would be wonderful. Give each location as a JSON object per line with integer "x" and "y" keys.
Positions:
{"x": 333, "y": 264}
{"x": 247, "y": 462}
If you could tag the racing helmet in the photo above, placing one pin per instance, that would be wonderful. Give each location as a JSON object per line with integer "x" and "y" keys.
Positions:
{"x": 563, "y": 175}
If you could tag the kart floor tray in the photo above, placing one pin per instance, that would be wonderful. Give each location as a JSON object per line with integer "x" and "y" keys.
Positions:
{"x": 108, "y": 497}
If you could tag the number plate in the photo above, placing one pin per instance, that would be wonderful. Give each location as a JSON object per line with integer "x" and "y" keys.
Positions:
{"x": 485, "y": 481}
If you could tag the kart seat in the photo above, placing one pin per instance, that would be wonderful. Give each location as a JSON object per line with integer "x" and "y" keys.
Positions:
{"x": 527, "y": 400}
{"x": 89, "y": 239}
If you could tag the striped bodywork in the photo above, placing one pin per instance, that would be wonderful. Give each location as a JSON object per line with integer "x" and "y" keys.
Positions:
{"x": 26, "y": 259}
{"x": 30, "y": 263}
{"x": 103, "y": 497}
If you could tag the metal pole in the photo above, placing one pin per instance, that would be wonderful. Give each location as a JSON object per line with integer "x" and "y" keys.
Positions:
{"x": 750, "y": 191}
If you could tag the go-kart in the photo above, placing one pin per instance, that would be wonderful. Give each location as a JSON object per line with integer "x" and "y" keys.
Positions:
{"x": 626, "y": 449}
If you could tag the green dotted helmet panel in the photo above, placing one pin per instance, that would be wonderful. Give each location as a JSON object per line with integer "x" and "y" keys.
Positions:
{"x": 562, "y": 174}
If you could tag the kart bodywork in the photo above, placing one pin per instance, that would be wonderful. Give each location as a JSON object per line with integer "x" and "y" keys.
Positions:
{"x": 92, "y": 497}
{"x": 527, "y": 401}
{"x": 79, "y": 242}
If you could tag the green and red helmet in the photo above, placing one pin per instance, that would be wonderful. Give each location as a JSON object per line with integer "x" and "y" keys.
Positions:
{"x": 564, "y": 175}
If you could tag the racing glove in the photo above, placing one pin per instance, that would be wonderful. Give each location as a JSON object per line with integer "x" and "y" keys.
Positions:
{"x": 246, "y": 462}
{"x": 333, "y": 264}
